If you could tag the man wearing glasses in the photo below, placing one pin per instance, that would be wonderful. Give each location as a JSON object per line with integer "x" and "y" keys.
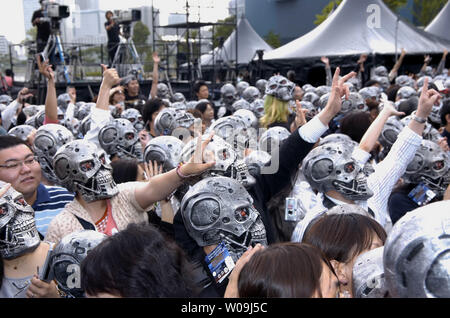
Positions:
{"x": 20, "y": 168}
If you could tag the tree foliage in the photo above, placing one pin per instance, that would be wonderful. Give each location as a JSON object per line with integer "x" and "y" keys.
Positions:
{"x": 273, "y": 39}
{"x": 426, "y": 11}
{"x": 140, "y": 33}
{"x": 223, "y": 31}
{"x": 394, "y": 5}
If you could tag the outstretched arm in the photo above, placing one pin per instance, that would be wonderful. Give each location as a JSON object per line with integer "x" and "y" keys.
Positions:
{"x": 154, "y": 89}
{"x": 441, "y": 65}
{"x": 51, "y": 103}
{"x": 326, "y": 61}
{"x": 394, "y": 71}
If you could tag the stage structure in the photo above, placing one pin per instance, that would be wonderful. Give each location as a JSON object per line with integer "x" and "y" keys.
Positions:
{"x": 181, "y": 51}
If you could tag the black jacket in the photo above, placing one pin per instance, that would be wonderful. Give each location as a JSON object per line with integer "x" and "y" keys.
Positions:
{"x": 292, "y": 152}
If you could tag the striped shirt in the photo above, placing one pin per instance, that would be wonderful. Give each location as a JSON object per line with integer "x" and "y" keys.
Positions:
{"x": 49, "y": 202}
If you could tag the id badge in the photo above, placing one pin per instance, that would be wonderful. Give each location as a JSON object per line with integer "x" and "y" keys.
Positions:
{"x": 421, "y": 194}
{"x": 220, "y": 263}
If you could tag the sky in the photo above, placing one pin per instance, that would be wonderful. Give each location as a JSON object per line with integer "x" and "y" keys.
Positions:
{"x": 12, "y": 25}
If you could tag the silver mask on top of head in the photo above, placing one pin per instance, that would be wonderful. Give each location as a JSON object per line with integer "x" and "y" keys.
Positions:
{"x": 179, "y": 98}
{"x": 272, "y": 137}
{"x": 280, "y": 87}
{"x": 323, "y": 100}
{"x": 119, "y": 137}
{"x": 191, "y": 104}
{"x": 431, "y": 166}
{"x": 37, "y": 120}
{"x": 331, "y": 167}
{"x": 135, "y": 117}
{"x": 257, "y": 107}
{"x": 406, "y": 92}
{"x": 339, "y": 138}
{"x": 251, "y": 94}
{"x": 81, "y": 167}
{"x": 162, "y": 91}
{"x": 322, "y": 90}
{"x": 429, "y": 133}
{"x": 256, "y": 160}
{"x": 404, "y": 80}
{"x": 417, "y": 251}
{"x": 383, "y": 81}
{"x": 428, "y": 71}
{"x": 435, "y": 114}
{"x": 5, "y": 99}
{"x": 49, "y": 138}
{"x": 85, "y": 125}
{"x": 240, "y": 87}
{"x": 355, "y": 102}
{"x": 67, "y": 257}
{"x": 312, "y": 110}
{"x": 311, "y": 97}
{"x": 261, "y": 86}
{"x": 63, "y": 101}
{"x": 227, "y": 161}
{"x": 73, "y": 125}
{"x": 381, "y": 71}
{"x": 390, "y": 132}
{"x": 349, "y": 209}
{"x": 229, "y": 94}
{"x": 421, "y": 81}
{"x": 179, "y": 105}
{"x": 84, "y": 111}
{"x": 234, "y": 131}
{"x": 370, "y": 92}
{"x": 308, "y": 88}
{"x": 165, "y": 150}
{"x": 18, "y": 233}
{"x": 32, "y": 110}
{"x": 351, "y": 87}
{"x": 170, "y": 119}
{"x": 241, "y": 104}
{"x": 248, "y": 117}
{"x": 21, "y": 131}
{"x": 368, "y": 275}
{"x": 218, "y": 210}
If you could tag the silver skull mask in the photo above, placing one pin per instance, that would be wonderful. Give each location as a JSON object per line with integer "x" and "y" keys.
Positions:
{"x": 163, "y": 91}
{"x": 21, "y": 131}
{"x": 165, "y": 150}
{"x": 135, "y": 117}
{"x": 248, "y": 117}
{"x": 381, "y": 71}
{"x": 220, "y": 209}
{"x": 229, "y": 94}
{"x": 257, "y": 107}
{"x": 49, "y": 138}
{"x": 227, "y": 161}
{"x": 18, "y": 232}
{"x": 119, "y": 137}
{"x": 404, "y": 80}
{"x": 261, "y": 86}
{"x": 368, "y": 275}
{"x": 240, "y": 104}
{"x": 331, "y": 167}
{"x": 241, "y": 87}
{"x": 280, "y": 87}
{"x": 417, "y": 253}
{"x": 273, "y": 137}
{"x": 431, "y": 165}
{"x": 179, "y": 98}
{"x": 81, "y": 167}
{"x": 170, "y": 119}
{"x": 251, "y": 94}
{"x": 67, "y": 256}
{"x": 355, "y": 102}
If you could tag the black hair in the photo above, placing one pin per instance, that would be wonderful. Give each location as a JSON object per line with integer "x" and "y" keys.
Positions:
{"x": 108, "y": 12}
{"x": 21, "y": 118}
{"x": 151, "y": 107}
{"x": 138, "y": 262}
{"x": 371, "y": 83}
{"x": 9, "y": 141}
{"x": 409, "y": 105}
{"x": 445, "y": 110}
{"x": 124, "y": 170}
{"x": 391, "y": 92}
{"x": 197, "y": 85}
{"x": 355, "y": 125}
{"x": 202, "y": 106}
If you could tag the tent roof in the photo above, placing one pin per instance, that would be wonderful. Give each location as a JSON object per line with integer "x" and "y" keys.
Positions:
{"x": 347, "y": 32}
{"x": 440, "y": 25}
{"x": 248, "y": 43}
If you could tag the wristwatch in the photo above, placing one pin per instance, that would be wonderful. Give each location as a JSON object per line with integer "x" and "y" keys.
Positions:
{"x": 420, "y": 120}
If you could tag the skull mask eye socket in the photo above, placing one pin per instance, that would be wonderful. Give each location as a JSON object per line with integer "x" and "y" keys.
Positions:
{"x": 438, "y": 165}
{"x": 242, "y": 214}
{"x": 102, "y": 159}
{"x": 283, "y": 82}
{"x": 87, "y": 166}
{"x": 349, "y": 167}
{"x": 322, "y": 169}
{"x": 20, "y": 201}
{"x": 129, "y": 136}
{"x": 132, "y": 120}
{"x": 205, "y": 212}
{"x": 3, "y": 210}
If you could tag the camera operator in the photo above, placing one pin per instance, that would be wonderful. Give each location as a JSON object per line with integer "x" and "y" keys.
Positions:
{"x": 43, "y": 27}
{"x": 113, "y": 31}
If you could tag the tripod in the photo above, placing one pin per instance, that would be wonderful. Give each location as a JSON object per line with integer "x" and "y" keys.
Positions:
{"x": 53, "y": 50}
{"x": 127, "y": 58}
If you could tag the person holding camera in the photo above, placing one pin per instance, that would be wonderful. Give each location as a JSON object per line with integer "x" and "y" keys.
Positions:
{"x": 43, "y": 27}
{"x": 113, "y": 31}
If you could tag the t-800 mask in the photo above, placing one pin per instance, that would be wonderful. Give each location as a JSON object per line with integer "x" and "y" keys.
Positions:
{"x": 165, "y": 150}
{"x": 219, "y": 209}
{"x": 280, "y": 87}
{"x": 135, "y": 117}
{"x": 18, "y": 233}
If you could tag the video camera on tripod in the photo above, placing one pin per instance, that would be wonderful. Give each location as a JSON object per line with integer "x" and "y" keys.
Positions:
{"x": 54, "y": 13}
{"x": 125, "y": 18}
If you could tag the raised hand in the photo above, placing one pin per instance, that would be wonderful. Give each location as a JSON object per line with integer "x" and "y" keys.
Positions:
{"x": 110, "y": 76}
{"x": 338, "y": 90}
{"x": 152, "y": 169}
{"x": 195, "y": 165}
{"x": 325, "y": 60}
{"x": 23, "y": 95}
{"x": 45, "y": 69}
{"x": 156, "y": 58}
{"x": 428, "y": 98}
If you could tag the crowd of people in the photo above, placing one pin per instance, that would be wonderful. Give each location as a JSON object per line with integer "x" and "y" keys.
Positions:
{"x": 275, "y": 190}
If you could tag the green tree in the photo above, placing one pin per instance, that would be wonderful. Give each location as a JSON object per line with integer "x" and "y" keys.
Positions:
{"x": 394, "y": 5}
{"x": 273, "y": 39}
{"x": 140, "y": 33}
{"x": 426, "y": 11}
{"x": 224, "y": 31}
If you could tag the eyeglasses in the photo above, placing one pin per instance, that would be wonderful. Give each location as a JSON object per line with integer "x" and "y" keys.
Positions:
{"x": 13, "y": 165}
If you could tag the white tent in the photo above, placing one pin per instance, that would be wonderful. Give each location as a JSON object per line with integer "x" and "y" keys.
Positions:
{"x": 248, "y": 42}
{"x": 356, "y": 27}
{"x": 440, "y": 26}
